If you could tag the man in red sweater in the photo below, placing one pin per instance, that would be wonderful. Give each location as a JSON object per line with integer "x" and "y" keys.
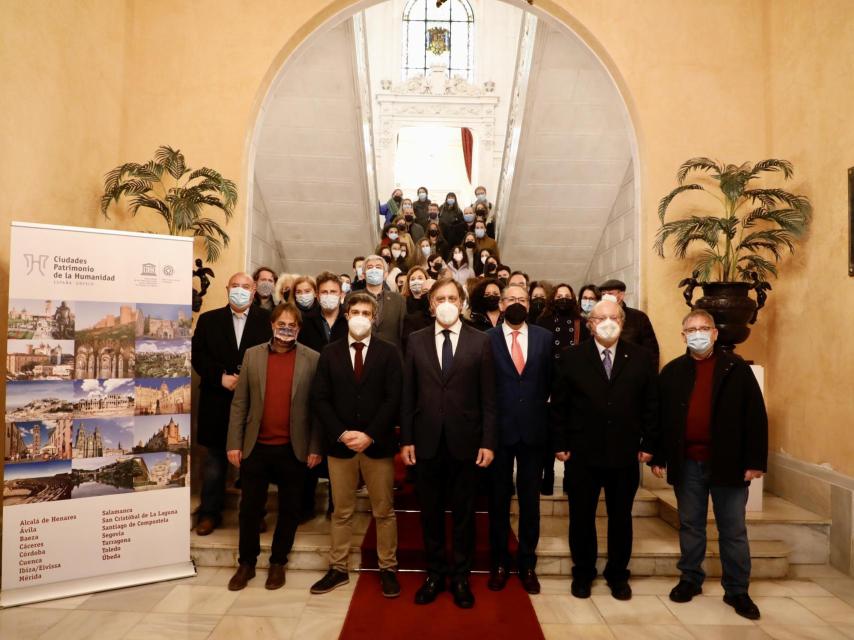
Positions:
{"x": 715, "y": 441}
{"x": 272, "y": 438}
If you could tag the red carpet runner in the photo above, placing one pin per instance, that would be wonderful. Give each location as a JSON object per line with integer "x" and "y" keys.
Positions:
{"x": 496, "y": 615}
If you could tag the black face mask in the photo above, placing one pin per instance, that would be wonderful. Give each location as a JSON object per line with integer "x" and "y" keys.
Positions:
{"x": 490, "y": 268}
{"x": 433, "y": 233}
{"x": 401, "y": 227}
{"x": 409, "y": 217}
{"x": 537, "y": 306}
{"x": 398, "y": 199}
{"x": 502, "y": 282}
{"x": 387, "y": 259}
{"x": 490, "y": 303}
{"x": 470, "y": 244}
{"x": 565, "y": 305}
{"x": 433, "y": 215}
{"x": 516, "y": 313}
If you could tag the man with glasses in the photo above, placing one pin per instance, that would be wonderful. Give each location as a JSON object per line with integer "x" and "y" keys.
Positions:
{"x": 523, "y": 362}
{"x": 605, "y": 421}
{"x": 715, "y": 441}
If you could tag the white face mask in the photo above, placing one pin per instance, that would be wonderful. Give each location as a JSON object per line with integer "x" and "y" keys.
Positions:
{"x": 329, "y": 301}
{"x": 608, "y": 330}
{"x": 395, "y": 253}
{"x": 447, "y": 313}
{"x": 458, "y": 257}
{"x": 345, "y": 287}
{"x": 415, "y": 286}
{"x": 305, "y": 300}
{"x": 359, "y": 327}
{"x": 265, "y": 289}
{"x": 610, "y": 297}
{"x": 425, "y": 251}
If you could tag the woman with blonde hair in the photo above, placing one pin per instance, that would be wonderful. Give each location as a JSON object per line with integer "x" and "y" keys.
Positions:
{"x": 284, "y": 286}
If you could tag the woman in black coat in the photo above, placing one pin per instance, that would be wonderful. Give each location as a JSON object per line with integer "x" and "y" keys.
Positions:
{"x": 451, "y": 220}
{"x": 484, "y": 300}
{"x": 563, "y": 319}
{"x": 417, "y": 299}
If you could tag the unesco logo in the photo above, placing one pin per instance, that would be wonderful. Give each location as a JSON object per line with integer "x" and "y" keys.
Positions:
{"x": 168, "y": 270}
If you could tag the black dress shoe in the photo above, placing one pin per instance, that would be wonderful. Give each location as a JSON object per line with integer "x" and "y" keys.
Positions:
{"x": 463, "y": 597}
{"x": 580, "y": 588}
{"x": 244, "y": 573}
{"x": 620, "y": 590}
{"x": 497, "y": 579}
{"x": 275, "y": 576}
{"x": 390, "y": 585}
{"x": 432, "y": 587}
{"x": 743, "y": 605}
{"x": 685, "y": 591}
{"x": 332, "y": 580}
{"x": 530, "y": 582}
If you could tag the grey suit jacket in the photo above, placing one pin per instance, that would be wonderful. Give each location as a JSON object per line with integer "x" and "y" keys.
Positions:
{"x": 247, "y": 407}
{"x": 390, "y": 327}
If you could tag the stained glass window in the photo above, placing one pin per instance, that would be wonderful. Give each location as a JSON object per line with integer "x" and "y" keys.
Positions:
{"x": 438, "y": 36}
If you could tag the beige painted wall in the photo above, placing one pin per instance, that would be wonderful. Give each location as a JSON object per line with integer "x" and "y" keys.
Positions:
{"x": 109, "y": 81}
{"x": 811, "y": 350}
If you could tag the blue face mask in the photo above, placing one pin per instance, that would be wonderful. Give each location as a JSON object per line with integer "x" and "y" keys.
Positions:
{"x": 468, "y": 217}
{"x": 699, "y": 341}
{"x": 479, "y": 233}
{"x": 374, "y": 276}
{"x": 239, "y": 297}
{"x": 422, "y": 196}
{"x": 587, "y": 305}
{"x": 451, "y": 201}
{"x": 481, "y": 197}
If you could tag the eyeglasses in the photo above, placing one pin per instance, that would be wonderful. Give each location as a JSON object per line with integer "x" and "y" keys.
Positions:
{"x": 512, "y": 300}
{"x": 692, "y": 330}
{"x": 598, "y": 319}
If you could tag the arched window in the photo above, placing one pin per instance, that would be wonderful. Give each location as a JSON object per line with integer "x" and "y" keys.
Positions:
{"x": 438, "y": 35}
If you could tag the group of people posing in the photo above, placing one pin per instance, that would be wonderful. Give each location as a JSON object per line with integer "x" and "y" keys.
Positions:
{"x": 468, "y": 378}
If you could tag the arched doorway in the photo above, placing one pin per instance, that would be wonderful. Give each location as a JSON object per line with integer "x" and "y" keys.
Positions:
{"x": 560, "y": 161}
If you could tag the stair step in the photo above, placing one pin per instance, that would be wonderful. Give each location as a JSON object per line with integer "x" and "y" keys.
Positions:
{"x": 806, "y": 533}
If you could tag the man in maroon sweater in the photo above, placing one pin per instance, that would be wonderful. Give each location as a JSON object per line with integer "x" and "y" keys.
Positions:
{"x": 272, "y": 438}
{"x": 715, "y": 442}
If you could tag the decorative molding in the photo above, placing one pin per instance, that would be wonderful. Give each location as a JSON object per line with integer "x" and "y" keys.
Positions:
{"x": 437, "y": 83}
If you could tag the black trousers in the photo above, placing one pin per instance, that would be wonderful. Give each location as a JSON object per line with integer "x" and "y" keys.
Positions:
{"x": 266, "y": 464}
{"x": 529, "y": 469}
{"x": 439, "y": 480}
{"x": 585, "y": 484}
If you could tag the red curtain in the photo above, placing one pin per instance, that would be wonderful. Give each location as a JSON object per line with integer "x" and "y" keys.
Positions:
{"x": 468, "y": 143}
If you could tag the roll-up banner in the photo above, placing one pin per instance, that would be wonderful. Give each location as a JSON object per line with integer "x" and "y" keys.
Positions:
{"x": 96, "y": 482}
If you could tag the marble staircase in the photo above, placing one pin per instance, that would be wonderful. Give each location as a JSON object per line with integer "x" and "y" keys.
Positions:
{"x": 780, "y": 536}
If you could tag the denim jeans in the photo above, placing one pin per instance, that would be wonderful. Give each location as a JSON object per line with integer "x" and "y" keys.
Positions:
{"x": 214, "y": 474}
{"x": 729, "y": 504}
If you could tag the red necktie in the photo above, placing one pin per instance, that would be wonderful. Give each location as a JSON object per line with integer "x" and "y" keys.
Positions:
{"x": 516, "y": 353}
{"x": 359, "y": 364}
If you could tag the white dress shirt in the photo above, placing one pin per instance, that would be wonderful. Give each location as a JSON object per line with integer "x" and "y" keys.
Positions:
{"x": 601, "y": 349}
{"x": 238, "y": 320}
{"x": 522, "y": 338}
{"x": 440, "y": 337}
{"x": 351, "y": 341}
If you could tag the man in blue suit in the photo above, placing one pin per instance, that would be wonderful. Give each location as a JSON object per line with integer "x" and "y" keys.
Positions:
{"x": 523, "y": 372}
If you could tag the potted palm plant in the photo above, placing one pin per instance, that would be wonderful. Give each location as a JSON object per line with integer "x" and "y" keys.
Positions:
{"x": 181, "y": 196}
{"x": 741, "y": 237}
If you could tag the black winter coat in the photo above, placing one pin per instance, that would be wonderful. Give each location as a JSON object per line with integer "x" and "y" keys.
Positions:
{"x": 638, "y": 330}
{"x": 739, "y": 422}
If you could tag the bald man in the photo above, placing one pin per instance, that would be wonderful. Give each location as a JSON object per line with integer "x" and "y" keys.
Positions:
{"x": 605, "y": 422}
{"x": 220, "y": 339}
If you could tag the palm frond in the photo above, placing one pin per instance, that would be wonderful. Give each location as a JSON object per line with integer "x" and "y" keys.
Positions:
{"x": 686, "y": 231}
{"x": 213, "y": 237}
{"x": 733, "y": 181}
{"x": 753, "y": 262}
{"x": 707, "y": 261}
{"x": 144, "y": 201}
{"x": 792, "y": 220}
{"x": 771, "y": 240}
{"x": 128, "y": 187}
{"x": 226, "y": 188}
{"x": 698, "y": 164}
{"x": 666, "y": 200}
{"x": 172, "y": 160}
{"x": 771, "y": 198}
{"x": 773, "y": 164}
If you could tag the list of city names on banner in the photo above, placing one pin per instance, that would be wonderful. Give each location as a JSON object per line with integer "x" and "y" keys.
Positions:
{"x": 97, "y": 424}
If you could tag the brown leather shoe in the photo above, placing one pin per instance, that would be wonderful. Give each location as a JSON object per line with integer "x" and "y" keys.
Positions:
{"x": 275, "y": 576}
{"x": 244, "y": 573}
{"x": 262, "y": 526}
{"x": 530, "y": 582}
{"x": 205, "y": 526}
{"x": 497, "y": 579}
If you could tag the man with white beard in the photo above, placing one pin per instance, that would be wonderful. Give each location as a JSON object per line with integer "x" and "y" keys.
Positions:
{"x": 605, "y": 422}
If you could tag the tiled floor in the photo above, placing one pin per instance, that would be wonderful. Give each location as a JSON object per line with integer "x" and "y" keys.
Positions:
{"x": 816, "y": 603}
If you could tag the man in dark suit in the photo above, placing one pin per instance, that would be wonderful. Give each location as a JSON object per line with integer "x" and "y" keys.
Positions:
{"x": 637, "y": 328}
{"x": 714, "y": 441}
{"x": 523, "y": 374}
{"x": 318, "y": 330}
{"x": 356, "y": 398}
{"x": 605, "y": 419}
{"x": 448, "y": 422}
{"x": 272, "y": 438}
{"x": 220, "y": 339}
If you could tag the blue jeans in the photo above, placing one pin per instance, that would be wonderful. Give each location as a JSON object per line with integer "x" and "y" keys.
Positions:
{"x": 729, "y": 504}
{"x": 214, "y": 474}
